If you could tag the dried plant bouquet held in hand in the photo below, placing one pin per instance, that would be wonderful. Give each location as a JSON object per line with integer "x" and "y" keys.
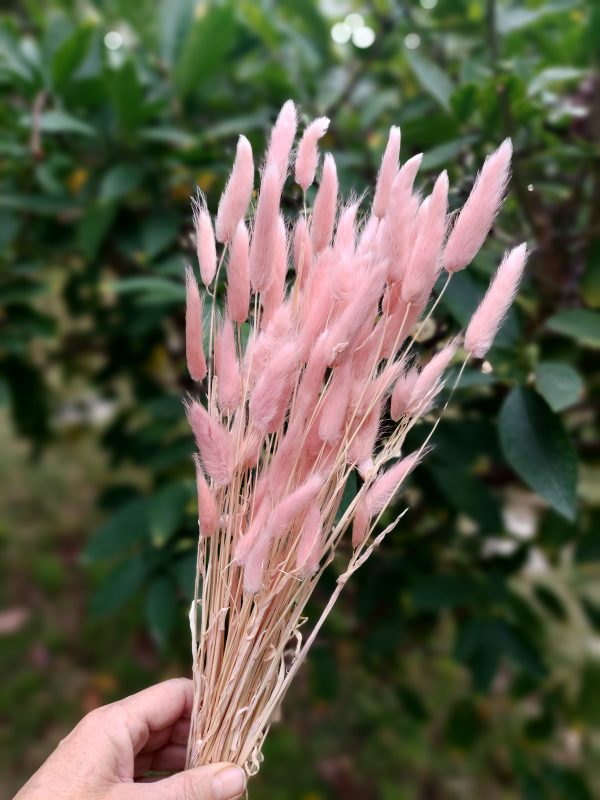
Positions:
{"x": 310, "y": 374}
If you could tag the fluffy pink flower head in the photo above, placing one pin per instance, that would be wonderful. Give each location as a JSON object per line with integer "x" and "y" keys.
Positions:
{"x": 206, "y": 249}
{"x": 478, "y": 213}
{"x": 307, "y": 155}
{"x": 281, "y": 142}
{"x": 323, "y": 217}
{"x": 227, "y": 370}
{"x": 213, "y": 443}
{"x": 265, "y": 229}
{"x": 490, "y": 314}
{"x": 238, "y": 279}
{"x": 387, "y": 172}
{"x": 236, "y": 195}
{"x": 194, "y": 350}
{"x": 208, "y": 513}
{"x": 302, "y": 251}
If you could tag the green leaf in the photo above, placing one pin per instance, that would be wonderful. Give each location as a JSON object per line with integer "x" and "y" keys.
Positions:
{"x": 431, "y": 77}
{"x": 468, "y": 495}
{"x": 580, "y": 324}
{"x": 69, "y": 55}
{"x": 175, "y": 18}
{"x": 119, "y": 181}
{"x": 123, "y": 530}
{"x": 58, "y": 122}
{"x": 166, "y": 511}
{"x": 559, "y": 384}
{"x": 444, "y": 154}
{"x": 161, "y": 608}
{"x": 151, "y": 290}
{"x": 348, "y": 495}
{"x": 127, "y": 97}
{"x": 537, "y": 447}
{"x": 206, "y": 47}
{"x": 94, "y": 227}
{"x": 118, "y": 586}
{"x": 435, "y": 592}
{"x": 514, "y": 19}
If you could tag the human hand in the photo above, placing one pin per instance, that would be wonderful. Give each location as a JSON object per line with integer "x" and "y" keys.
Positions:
{"x": 107, "y": 754}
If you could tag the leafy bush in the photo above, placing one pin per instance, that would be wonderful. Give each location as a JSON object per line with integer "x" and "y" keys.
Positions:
{"x": 472, "y": 633}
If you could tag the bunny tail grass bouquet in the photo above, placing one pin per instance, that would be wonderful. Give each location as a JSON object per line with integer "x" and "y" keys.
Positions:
{"x": 311, "y": 374}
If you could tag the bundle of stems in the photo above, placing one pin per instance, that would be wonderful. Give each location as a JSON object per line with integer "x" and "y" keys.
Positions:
{"x": 310, "y": 375}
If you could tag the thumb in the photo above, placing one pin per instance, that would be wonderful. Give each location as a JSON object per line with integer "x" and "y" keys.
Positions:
{"x": 215, "y": 782}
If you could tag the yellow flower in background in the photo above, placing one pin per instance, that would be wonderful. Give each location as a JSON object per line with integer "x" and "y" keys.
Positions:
{"x": 77, "y": 179}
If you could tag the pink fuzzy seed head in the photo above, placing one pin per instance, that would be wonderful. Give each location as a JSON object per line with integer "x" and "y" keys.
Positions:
{"x": 307, "y": 155}
{"x": 360, "y": 523}
{"x": 208, "y": 514}
{"x": 238, "y": 280}
{"x": 402, "y": 393}
{"x": 302, "y": 251}
{"x": 477, "y": 215}
{"x": 424, "y": 264}
{"x": 387, "y": 173}
{"x": 385, "y": 487}
{"x": 273, "y": 297}
{"x": 213, "y": 443}
{"x": 430, "y": 376}
{"x": 236, "y": 195}
{"x": 265, "y": 230}
{"x": 227, "y": 370}
{"x": 309, "y": 546}
{"x": 194, "y": 350}
{"x": 206, "y": 249}
{"x": 492, "y": 310}
{"x": 271, "y": 393}
{"x": 335, "y": 405}
{"x": 281, "y": 142}
{"x": 323, "y": 216}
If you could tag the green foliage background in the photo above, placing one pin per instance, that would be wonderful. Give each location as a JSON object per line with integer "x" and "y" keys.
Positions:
{"x": 464, "y": 660}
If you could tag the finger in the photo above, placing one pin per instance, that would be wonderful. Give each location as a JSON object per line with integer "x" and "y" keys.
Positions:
{"x": 176, "y": 734}
{"x": 214, "y": 782}
{"x": 170, "y": 758}
{"x": 162, "y": 705}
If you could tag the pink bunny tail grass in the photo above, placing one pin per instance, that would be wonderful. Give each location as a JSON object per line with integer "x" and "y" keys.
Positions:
{"x": 227, "y": 369}
{"x": 424, "y": 265}
{"x": 205, "y": 245}
{"x": 238, "y": 278}
{"x": 323, "y": 217}
{"x": 265, "y": 229}
{"x": 213, "y": 443}
{"x": 194, "y": 350}
{"x": 302, "y": 250}
{"x": 272, "y": 391}
{"x": 236, "y": 195}
{"x": 317, "y": 378}
{"x": 478, "y": 214}
{"x": 492, "y": 310}
{"x": 381, "y": 494}
{"x": 273, "y": 296}
{"x": 307, "y": 155}
{"x": 428, "y": 380}
{"x": 281, "y": 141}
{"x": 309, "y": 546}
{"x": 208, "y": 513}
{"x": 387, "y": 173}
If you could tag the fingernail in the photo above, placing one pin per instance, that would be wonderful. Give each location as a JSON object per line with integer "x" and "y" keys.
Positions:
{"x": 229, "y": 783}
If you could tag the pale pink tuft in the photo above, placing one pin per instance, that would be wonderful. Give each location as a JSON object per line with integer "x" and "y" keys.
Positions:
{"x": 265, "y": 230}
{"x": 345, "y": 234}
{"x": 206, "y": 249}
{"x": 323, "y": 216}
{"x": 424, "y": 264}
{"x": 213, "y": 443}
{"x": 271, "y": 393}
{"x": 387, "y": 172}
{"x": 402, "y": 393}
{"x": 309, "y": 546}
{"x": 428, "y": 381}
{"x": 478, "y": 214}
{"x": 194, "y": 350}
{"x": 229, "y": 379}
{"x": 281, "y": 141}
{"x": 273, "y": 297}
{"x": 335, "y": 405}
{"x": 238, "y": 281}
{"x": 208, "y": 514}
{"x": 489, "y": 315}
{"x": 236, "y": 195}
{"x": 307, "y": 155}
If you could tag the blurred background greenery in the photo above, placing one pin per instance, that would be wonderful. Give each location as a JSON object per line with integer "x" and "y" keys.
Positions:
{"x": 464, "y": 661}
